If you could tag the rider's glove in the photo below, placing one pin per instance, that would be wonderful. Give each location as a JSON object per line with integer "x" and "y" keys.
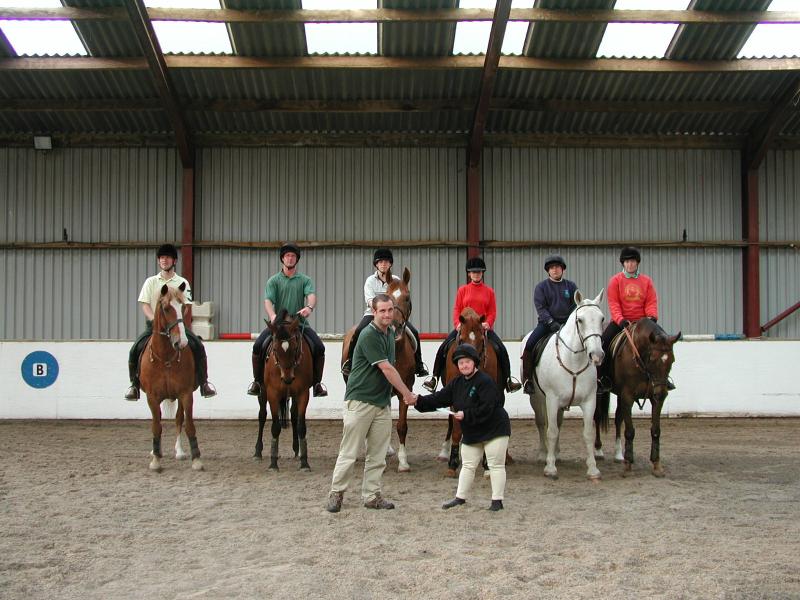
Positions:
{"x": 553, "y": 325}
{"x": 624, "y": 323}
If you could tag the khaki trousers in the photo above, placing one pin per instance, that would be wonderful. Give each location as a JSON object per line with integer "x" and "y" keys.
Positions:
{"x": 471, "y": 457}
{"x": 363, "y": 421}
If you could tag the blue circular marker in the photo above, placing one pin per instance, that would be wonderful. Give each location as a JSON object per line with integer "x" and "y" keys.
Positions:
{"x": 40, "y": 369}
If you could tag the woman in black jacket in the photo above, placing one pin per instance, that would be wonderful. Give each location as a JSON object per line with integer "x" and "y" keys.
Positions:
{"x": 477, "y": 403}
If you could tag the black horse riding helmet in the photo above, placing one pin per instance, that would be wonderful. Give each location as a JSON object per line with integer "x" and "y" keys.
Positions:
{"x": 554, "y": 259}
{"x": 629, "y": 252}
{"x": 475, "y": 265}
{"x": 465, "y": 351}
{"x": 167, "y": 250}
{"x": 290, "y": 247}
{"x": 382, "y": 254}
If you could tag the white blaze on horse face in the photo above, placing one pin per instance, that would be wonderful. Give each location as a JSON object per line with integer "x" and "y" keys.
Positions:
{"x": 397, "y": 294}
{"x": 179, "y": 311}
{"x": 471, "y": 336}
{"x": 664, "y": 358}
{"x": 285, "y": 345}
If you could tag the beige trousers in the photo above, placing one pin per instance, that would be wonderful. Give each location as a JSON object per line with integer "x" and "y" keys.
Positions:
{"x": 471, "y": 457}
{"x": 363, "y": 421}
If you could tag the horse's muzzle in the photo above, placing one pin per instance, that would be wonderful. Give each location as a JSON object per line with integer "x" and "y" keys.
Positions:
{"x": 287, "y": 380}
{"x": 597, "y": 357}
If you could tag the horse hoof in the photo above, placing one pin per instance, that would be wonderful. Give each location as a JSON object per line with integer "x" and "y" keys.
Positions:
{"x": 305, "y": 468}
{"x": 509, "y": 459}
{"x": 443, "y": 458}
{"x": 273, "y": 468}
{"x": 598, "y": 455}
{"x": 451, "y": 473}
{"x": 619, "y": 460}
{"x": 197, "y": 465}
{"x": 486, "y": 474}
{"x": 390, "y": 452}
{"x": 594, "y": 478}
{"x": 155, "y": 466}
{"x": 552, "y": 476}
{"x": 658, "y": 471}
{"x": 183, "y": 456}
{"x": 257, "y": 457}
{"x": 405, "y": 469}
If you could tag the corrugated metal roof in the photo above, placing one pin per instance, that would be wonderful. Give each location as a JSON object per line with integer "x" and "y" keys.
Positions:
{"x": 106, "y": 38}
{"x": 566, "y": 40}
{"x": 266, "y": 39}
{"x": 416, "y": 39}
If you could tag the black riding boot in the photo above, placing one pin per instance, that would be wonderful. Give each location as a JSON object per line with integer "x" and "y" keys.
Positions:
{"x": 258, "y": 376}
{"x": 319, "y": 366}
{"x": 207, "y": 389}
{"x": 526, "y": 373}
{"x": 133, "y": 391}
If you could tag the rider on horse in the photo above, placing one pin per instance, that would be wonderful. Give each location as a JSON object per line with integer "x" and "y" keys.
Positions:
{"x": 294, "y": 292}
{"x": 631, "y": 296}
{"x": 376, "y": 284}
{"x": 554, "y": 299}
{"x": 479, "y": 297}
{"x": 167, "y": 256}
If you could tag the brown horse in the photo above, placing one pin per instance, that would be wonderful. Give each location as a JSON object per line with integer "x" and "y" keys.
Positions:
{"x": 288, "y": 372}
{"x": 640, "y": 371}
{"x": 471, "y": 332}
{"x": 167, "y": 372}
{"x": 404, "y": 346}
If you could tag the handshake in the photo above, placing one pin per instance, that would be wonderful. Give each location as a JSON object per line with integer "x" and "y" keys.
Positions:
{"x": 410, "y": 399}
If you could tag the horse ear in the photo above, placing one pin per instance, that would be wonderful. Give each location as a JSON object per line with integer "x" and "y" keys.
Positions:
{"x": 406, "y": 275}
{"x": 462, "y": 319}
{"x": 675, "y": 337}
{"x": 578, "y": 297}
{"x": 599, "y": 298}
{"x": 483, "y": 318}
{"x": 164, "y": 289}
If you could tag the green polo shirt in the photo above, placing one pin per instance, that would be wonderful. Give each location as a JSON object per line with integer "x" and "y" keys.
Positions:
{"x": 367, "y": 382}
{"x": 289, "y": 292}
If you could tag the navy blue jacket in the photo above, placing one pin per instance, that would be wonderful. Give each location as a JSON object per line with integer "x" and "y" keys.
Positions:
{"x": 554, "y": 301}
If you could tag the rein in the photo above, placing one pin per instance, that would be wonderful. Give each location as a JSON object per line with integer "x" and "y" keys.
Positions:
{"x": 298, "y": 336}
{"x": 642, "y": 366}
{"x": 165, "y": 332}
{"x": 583, "y": 349}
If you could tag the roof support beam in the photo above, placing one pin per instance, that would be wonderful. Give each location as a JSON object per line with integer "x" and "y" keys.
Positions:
{"x": 475, "y": 147}
{"x": 764, "y": 134}
{"x": 388, "y": 15}
{"x": 158, "y": 69}
{"x": 751, "y": 274}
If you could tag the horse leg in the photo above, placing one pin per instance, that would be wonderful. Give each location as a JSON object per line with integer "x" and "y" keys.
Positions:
{"x": 180, "y": 453}
{"x": 552, "y": 439}
{"x": 262, "y": 419}
{"x": 155, "y": 427}
{"x": 618, "y": 456}
{"x": 302, "y": 403}
{"x": 187, "y": 406}
{"x": 592, "y": 472}
{"x": 444, "y": 452}
{"x": 402, "y": 432}
{"x": 453, "y": 461}
{"x": 295, "y": 440}
{"x": 274, "y": 406}
{"x": 538, "y": 405}
{"x": 630, "y": 432}
{"x": 655, "y": 438}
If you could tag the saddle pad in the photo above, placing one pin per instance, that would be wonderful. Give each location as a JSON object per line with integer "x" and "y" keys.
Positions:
{"x": 411, "y": 339}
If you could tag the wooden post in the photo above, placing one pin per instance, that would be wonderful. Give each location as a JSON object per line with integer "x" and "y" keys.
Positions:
{"x": 750, "y": 257}
{"x": 187, "y": 233}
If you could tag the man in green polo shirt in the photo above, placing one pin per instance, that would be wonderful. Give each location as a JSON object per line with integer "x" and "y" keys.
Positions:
{"x": 367, "y": 413}
{"x": 293, "y": 291}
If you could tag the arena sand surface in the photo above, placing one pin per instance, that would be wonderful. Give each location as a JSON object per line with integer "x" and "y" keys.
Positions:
{"x": 82, "y": 517}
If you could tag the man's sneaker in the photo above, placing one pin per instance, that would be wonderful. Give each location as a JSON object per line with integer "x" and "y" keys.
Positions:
{"x": 421, "y": 370}
{"x": 346, "y": 368}
{"x": 207, "y": 390}
{"x": 430, "y": 384}
{"x": 512, "y": 385}
{"x": 496, "y": 505}
{"x": 454, "y": 502}
{"x": 253, "y": 389}
{"x": 132, "y": 394}
{"x": 379, "y": 502}
{"x": 334, "y": 502}
{"x": 320, "y": 390}
{"x": 529, "y": 388}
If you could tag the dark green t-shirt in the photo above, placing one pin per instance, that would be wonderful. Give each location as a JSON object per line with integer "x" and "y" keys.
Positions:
{"x": 289, "y": 292}
{"x": 367, "y": 382}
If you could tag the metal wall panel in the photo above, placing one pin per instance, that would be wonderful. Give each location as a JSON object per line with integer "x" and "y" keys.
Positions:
{"x": 97, "y": 195}
{"x": 234, "y": 280}
{"x": 571, "y": 194}
{"x": 779, "y": 221}
{"x": 271, "y": 194}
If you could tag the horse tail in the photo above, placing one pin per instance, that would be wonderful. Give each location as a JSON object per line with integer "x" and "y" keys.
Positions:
{"x": 601, "y": 410}
{"x": 283, "y": 413}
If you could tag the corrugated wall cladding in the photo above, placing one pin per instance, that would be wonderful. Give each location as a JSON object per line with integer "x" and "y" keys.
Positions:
{"x": 604, "y": 194}
{"x": 699, "y": 291}
{"x": 234, "y": 280}
{"x": 97, "y": 195}
{"x": 330, "y": 194}
{"x": 779, "y": 212}
{"x": 72, "y": 294}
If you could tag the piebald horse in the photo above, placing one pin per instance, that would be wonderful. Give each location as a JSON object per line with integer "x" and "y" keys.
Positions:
{"x": 567, "y": 375}
{"x": 167, "y": 372}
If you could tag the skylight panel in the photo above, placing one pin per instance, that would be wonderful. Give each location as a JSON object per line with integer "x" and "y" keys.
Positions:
{"x": 341, "y": 38}
{"x": 190, "y": 37}
{"x": 472, "y": 37}
{"x": 774, "y": 39}
{"x": 43, "y": 38}
{"x": 636, "y": 40}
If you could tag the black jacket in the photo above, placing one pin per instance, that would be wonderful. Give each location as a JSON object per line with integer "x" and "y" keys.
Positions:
{"x": 482, "y": 403}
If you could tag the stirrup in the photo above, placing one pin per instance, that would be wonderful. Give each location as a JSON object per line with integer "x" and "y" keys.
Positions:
{"x": 207, "y": 389}
{"x": 670, "y": 385}
{"x": 430, "y": 384}
{"x": 421, "y": 370}
{"x": 132, "y": 394}
{"x": 346, "y": 367}
{"x": 528, "y": 387}
{"x": 512, "y": 385}
{"x": 320, "y": 390}
{"x": 254, "y": 389}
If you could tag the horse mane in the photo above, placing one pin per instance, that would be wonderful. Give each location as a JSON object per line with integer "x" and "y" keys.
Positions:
{"x": 469, "y": 313}
{"x": 173, "y": 293}
{"x": 648, "y": 329}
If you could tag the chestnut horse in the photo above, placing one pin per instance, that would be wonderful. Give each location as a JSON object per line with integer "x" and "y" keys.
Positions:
{"x": 471, "y": 332}
{"x": 404, "y": 347}
{"x": 640, "y": 371}
{"x": 167, "y": 372}
{"x": 288, "y": 373}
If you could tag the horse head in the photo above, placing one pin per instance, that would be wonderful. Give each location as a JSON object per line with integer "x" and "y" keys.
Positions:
{"x": 655, "y": 348}
{"x": 287, "y": 344}
{"x": 168, "y": 320}
{"x": 589, "y": 318}
{"x": 471, "y": 330}
{"x": 398, "y": 291}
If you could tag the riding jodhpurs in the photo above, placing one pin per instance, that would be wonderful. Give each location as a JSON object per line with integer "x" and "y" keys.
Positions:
{"x": 471, "y": 457}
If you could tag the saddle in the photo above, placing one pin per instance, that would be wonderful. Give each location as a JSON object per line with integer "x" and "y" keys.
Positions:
{"x": 620, "y": 340}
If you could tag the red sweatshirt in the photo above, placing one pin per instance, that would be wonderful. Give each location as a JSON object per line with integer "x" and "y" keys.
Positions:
{"x": 631, "y": 298}
{"x": 480, "y": 298}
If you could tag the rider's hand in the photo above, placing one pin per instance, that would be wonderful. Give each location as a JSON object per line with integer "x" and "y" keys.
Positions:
{"x": 485, "y": 325}
{"x": 459, "y": 416}
{"x": 624, "y": 323}
{"x": 553, "y": 325}
{"x": 304, "y": 312}
{"x": 654, "y": 319}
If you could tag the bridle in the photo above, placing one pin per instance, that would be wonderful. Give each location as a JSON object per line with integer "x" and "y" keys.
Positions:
{"x": 297, "y": 338}
{"x": 583, "y": 339}
{"x": 484, "y": 340}
{"x": 641, "y": 364}
{"x": 165, "y": 331}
